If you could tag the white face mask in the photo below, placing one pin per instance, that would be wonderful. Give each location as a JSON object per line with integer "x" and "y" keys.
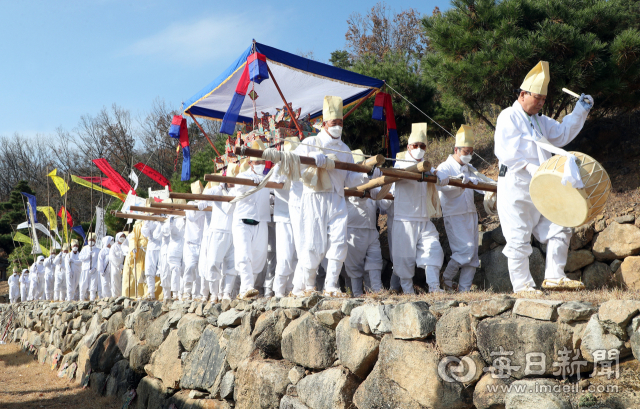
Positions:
{"x": 75, "y": 248}
{"x": 258, "y": 169}
{"x": 121, "y": 240}
{"x": 335, "y": 132}
{"x": 417, "y": 153}
{"x": 466, "y": 158}
{"x": 92, "y": 243}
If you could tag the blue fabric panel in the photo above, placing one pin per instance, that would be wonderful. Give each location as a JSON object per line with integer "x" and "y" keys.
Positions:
{"x": 174, "y": 131}
{"x": 394, "y": 142}
{"x": 258, "y": 71}
{"x": 378, "y": 113}
{"x": 32, "y": 203}
{"x": 78, "y": 229}
{"x": 231, "y": 117}
{"x": 186, "y": 164}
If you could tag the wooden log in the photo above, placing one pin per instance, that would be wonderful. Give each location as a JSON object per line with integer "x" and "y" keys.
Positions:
{"x": 398, "y": 173}
{"x": 156, "y": 210}
{"x": 193, "y": 196}
{"x": 249, "y": 182}
{"x": 180, "y": 206}
{"x": 419, "y": 167}
{"x": 240, "y": 181}
{"x": 138, "y": 216}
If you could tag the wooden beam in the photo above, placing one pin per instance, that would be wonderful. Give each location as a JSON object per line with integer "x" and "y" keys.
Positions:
{"x": 180, "y": 206}
{"x": 193, "y": 196}
{"x": 138, "y": 216}
{"x": 156, "y": 210}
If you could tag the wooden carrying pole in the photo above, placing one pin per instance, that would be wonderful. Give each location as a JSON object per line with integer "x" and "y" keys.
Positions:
{"x": 271, "y": 185}
{"x": 155, "y": 210}
{"x": 193, "y": 196}
{"x": 398, "y": 173}
{"x": 179, "y": 206}
{"x": 138, "y": 216}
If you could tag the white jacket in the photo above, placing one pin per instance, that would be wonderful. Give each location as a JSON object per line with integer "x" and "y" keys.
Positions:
{"x": 195, "y": 223}
{"x": 221, "y": 212}
{"x": 455, "y": 200}
{"x": 255, "y": 206}
{"x": 153, "y": 232}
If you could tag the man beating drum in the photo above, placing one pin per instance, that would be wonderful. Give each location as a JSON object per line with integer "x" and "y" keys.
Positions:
{"x": 518, "y": 129}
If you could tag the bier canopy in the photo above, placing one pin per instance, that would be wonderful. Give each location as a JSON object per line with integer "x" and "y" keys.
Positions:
{"x": 303, "y": 82}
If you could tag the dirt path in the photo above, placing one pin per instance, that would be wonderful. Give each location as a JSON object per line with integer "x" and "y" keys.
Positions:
{"x": 26, "y": 384}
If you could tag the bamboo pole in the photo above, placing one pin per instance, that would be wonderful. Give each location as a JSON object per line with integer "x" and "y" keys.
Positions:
{"x": 397, "y": 173}
{"x": 179, "y": 206}
{"x": 204, "y": 133}
{"x": 286, "y": 105}
{"x": 420, "y": 167}
{"x": 240, "y": 181}
{"x": 138, "y": 216}
{"x": 155, "y": 210}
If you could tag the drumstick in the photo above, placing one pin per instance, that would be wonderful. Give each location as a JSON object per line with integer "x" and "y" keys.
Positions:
{"x": 573, "y": 94}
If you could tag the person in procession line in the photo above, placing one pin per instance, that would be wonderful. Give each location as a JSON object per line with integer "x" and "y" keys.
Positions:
{"x": 49, "y": 275}
{"x": 153, "y": 232}
{"x": 73, "y": 267}
{"x": 116, "y": 264}
{"x": 459, "y": 213}
{"x": 193, "y": 232}
{"x": 89, "y": 274}
{"x": 14, "y": 286}
{"x": 519, "y": 147}
{"x": 60, "y": 286}
{"x": 24, "y": 285}
{"x": 104, "y": 271}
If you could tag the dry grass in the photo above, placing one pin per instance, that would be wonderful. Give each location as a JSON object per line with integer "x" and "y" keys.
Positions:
{"x": 27, "y": 384}
{"x": 595, "y": 297}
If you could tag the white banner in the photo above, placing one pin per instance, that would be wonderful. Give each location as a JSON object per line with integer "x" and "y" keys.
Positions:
{"x": 134, "y": 179}
{"x": 101, "y": 228}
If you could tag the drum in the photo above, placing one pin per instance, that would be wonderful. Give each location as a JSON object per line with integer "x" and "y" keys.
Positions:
{"x": 565, "y": 205}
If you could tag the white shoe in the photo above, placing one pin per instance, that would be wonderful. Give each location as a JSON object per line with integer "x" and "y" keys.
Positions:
{"x": 268, "y": 294}
{"x": 226, "y": 296}
{"x": 335, "y": 294}
{"x": 528, "y": 290}
{"x": 150, "y": 297}
{"x": 213, "y": 299}
{"x": 249, "y": 294}
{"x": 562, "y": 284}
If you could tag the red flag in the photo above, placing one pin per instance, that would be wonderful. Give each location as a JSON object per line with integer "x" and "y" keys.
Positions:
{"x": 104, "y": 182}
{"x": 153, "y": 174}
{"x": 104, "y": 166}
{"x": 69, "y": 219}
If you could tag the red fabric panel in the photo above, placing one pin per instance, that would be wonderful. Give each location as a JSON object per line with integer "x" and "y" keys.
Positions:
{"x": 69, "y": 219}
{"x": 104, "y": 166}
{"x": 153, "y": 174}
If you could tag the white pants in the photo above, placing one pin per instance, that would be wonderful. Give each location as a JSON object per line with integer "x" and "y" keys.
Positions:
{"x": 72, "y": 284}
{"x": 462, "y": 232}
{"x": 286, "y": 259}
{"x": 24, "y": 293}
{"x": 519, "y": 219}
{"x": 105, "y": 283}
{"x": 416, "y": 242}
{"x": 175, "y": 270}
{"x": 364, "y": 254}
{"x": 250, "y": 251}
{"x": 200, "y": 278}
{"x": 14, "y": 293}
{"x": 267, "y": 275}
{"x": 323, "y": 234}
{"x": 89, "y": 282}
{"x": 60, "y": 286}
{"x": 49, "y": 282}
{"x": 296, "y": 231}
{"x": 151, "y": 261}
{"x": 220, "y": 264}
{"x": 190, "y": 256}
{"x": 116, "y": 280}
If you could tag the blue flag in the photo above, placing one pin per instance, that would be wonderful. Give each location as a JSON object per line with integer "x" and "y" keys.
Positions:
{"x": 78, "y": 229}
{"x": 31, "y": 208}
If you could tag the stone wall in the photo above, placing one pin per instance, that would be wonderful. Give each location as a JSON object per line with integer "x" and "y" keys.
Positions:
{"x": 314, "y": 352}
{"x": 603, "y": 254}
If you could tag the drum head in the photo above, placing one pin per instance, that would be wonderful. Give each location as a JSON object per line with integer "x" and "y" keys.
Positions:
{"x": 563, "y": 205}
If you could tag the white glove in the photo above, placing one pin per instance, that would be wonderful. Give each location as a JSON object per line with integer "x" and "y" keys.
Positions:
{"x": 202, "y": 205}
{"x": 464, "y": 177}
{"x": 376, "y": 173}
{"x": 586, "y": 101}
{"x": 474, "y": 180}
{"x": 321, "y": 159}
{"x": 531, "y": 168}
{"x": 442, "y": 182}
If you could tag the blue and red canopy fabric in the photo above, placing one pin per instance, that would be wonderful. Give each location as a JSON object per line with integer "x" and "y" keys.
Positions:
{"x": 303, "y": 82}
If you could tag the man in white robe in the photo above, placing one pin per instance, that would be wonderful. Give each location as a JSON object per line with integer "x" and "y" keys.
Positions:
{"x": 518, "y": 129}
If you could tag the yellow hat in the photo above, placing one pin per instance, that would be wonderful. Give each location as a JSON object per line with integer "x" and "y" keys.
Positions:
{"x": 291, "y": 143}
{"x": 65, "y": 247}
{"x": 465, "y": 137}
{"x": 233, "y": 169}
{"x": 418, "y": 133}
{"x": 15, "y": 269}
{"x": 537, "y": 80}
{"x": 257, "y": 144}
{"x": 213, "y": 184}
{"x": 331, "y": 108}
{"x": 91, "y": 236}
{"x": 358, "y": 156}
{"x": 196, "y": 187}
{"x": 244, "y": 165}
{"x": 74, "y": 242}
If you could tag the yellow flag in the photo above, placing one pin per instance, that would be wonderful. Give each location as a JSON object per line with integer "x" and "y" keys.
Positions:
{"x": 50, "y": 214}
{"x": 45, "y": 251}
{"x": 90, "y": 185}
{"x": 22, "y": 238}
{"x": 59, "y": 182}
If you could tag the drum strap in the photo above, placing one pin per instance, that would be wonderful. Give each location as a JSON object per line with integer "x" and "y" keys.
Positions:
{"x": 571, "y": 169}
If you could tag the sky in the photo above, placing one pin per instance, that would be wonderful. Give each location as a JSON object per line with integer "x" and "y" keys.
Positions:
{"x": 64, "y": 59}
